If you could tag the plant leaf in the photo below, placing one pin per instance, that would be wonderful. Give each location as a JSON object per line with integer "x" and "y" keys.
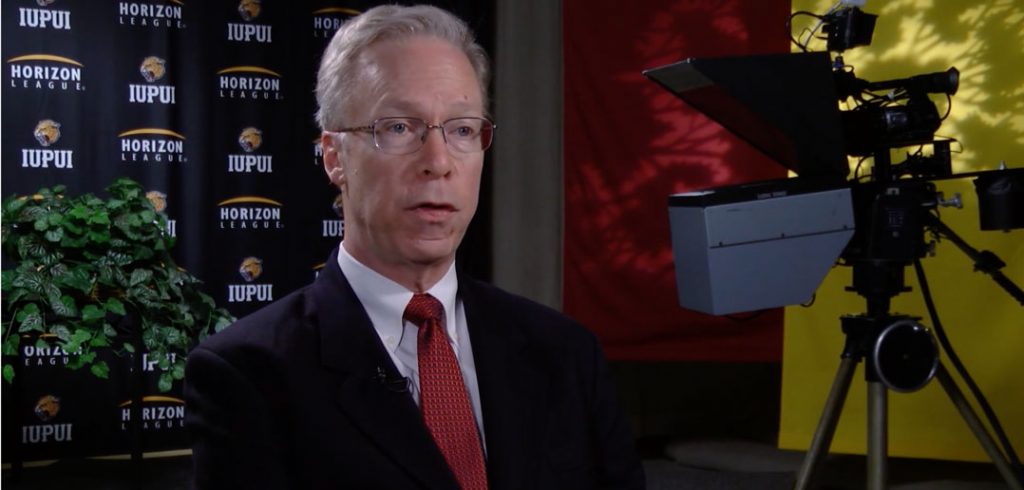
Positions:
{"x": 98, "y": 236}
{"x": 100, "y": 370}
{"x": 98, "y": 217}
{"x": 57, "y": 269}
{"x": 31, "y": 213}
{"x": 165, "y": 382}
{"x": 115, "y": 305}
{"x": 79, "y": 211}
{"x": 62, "y": 333}
{"x": 28, "y": 309}
{"x": 64, "y": 306}
{"x": 223, "y": 321}
{"x": 92, "y": 313}
{"x": 11, "y": 345}
{"x": 81, "y": 335}
{"x": 99, "y": 341}
{"x": 32, "y": 321}
{"x": 54, "y": 234}
{"x": 178, "y": 371}
{"x": 30, "y": 246}
{"x": 29, "y": 279}
{"x": 7, "y": 280}
{"x": 87, "y": 357}
{"x": 78, "y": 278}
{"x": 140, "y": 276}
{"x": 8, "y": 373}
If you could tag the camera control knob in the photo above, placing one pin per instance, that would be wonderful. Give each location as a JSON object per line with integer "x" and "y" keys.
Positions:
{"x": 954, "y": 202}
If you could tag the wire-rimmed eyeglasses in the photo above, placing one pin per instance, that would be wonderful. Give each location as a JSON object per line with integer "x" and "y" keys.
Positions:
{"x": 405, "y": 135}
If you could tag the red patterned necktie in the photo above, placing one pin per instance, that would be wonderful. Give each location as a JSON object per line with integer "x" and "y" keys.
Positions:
{"x": 443, "y": 397}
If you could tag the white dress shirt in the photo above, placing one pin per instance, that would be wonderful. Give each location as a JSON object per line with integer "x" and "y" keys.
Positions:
{"x": 385, "y": 301}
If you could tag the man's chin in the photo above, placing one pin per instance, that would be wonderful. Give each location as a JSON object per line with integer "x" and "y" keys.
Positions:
{"x": 432, "y": 252}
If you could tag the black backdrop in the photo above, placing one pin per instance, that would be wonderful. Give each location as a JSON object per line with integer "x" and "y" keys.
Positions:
{"x": 209, "y": 104}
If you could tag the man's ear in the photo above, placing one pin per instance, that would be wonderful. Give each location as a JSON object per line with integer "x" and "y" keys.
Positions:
{"x": 332, "y": 159}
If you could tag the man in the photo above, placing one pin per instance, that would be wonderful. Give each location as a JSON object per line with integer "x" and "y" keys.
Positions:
{"x": 393, "y": 371}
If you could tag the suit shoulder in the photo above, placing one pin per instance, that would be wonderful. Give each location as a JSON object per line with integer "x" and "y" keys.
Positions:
{"x": 265, "y": 326}
{"x": 530, "y": 315}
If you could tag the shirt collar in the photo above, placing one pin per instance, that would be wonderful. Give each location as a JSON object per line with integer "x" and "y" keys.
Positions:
{"x": 385, "y": 300}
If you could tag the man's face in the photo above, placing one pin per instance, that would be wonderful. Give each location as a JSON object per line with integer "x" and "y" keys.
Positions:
{"x": 408, "y": 211}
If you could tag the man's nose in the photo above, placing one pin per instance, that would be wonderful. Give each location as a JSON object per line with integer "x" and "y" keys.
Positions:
{"x": 436, "y": 158}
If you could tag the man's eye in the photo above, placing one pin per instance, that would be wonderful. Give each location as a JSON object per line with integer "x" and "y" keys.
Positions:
{"x": 464, "y": 131}
{"x": 396, "y": 128}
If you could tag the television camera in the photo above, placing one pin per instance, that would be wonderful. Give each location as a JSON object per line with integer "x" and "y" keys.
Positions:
{"x": 767, "y": 244}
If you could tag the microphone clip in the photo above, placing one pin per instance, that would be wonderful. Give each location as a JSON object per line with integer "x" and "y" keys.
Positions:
{"x": 399, "y": 384}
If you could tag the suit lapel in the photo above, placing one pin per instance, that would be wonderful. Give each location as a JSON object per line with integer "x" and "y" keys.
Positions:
{"x": 390, "y": 419}
{"x": 511, "y": 390}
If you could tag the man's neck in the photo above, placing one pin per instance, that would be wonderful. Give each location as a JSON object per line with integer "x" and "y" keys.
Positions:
{"x": 414, "y": 276}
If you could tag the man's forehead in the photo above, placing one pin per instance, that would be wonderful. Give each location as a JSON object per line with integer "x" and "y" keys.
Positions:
{"x": 395, "y": 53}
{"x": 409, "y": 106}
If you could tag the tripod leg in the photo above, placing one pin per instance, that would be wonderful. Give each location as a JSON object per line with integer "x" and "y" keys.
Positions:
{"x": 957, "y": 397}
{"x": 826, "y": 424}
{"x": 878, "y": 435}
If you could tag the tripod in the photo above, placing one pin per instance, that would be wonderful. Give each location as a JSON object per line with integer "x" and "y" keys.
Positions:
{"x": 868, "y": 337}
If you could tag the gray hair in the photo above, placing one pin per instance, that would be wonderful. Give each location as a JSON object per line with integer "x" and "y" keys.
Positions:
{"x": 340, "y": 69}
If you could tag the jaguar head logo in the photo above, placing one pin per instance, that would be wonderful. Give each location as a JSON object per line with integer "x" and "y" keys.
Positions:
{"x": 47, "y": 408}
{"x": 153, "y": 68}
{"x": 47, "y": 132}
{"x": 251, "y": 268}
{"x": 250, "y": 139}
{"x": 158, "y": 200}
{"x": 249, "y": 9}
{"x": 338, "y": 206}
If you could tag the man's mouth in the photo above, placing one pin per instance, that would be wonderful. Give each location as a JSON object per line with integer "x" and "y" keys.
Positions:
{"x": 433, "y": 210}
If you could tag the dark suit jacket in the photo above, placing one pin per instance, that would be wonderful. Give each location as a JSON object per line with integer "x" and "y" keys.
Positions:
{"x": 290, "y": 397}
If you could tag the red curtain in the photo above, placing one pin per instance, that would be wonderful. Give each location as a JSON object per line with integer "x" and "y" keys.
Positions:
{"x": 629, "y": 144}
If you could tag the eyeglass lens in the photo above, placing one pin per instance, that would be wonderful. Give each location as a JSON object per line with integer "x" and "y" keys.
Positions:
{"x": 404, "y": 135}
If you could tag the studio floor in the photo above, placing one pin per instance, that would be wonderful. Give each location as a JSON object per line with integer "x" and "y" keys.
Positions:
{"x": 674, "y": 464}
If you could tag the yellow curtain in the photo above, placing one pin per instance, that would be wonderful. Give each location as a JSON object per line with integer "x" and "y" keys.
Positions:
{"x": 985, "y": 41}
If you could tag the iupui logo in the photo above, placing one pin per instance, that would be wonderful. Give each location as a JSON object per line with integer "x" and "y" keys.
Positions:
{"x": 45, "y": 72}
{"x": 250, "y": 270}
{"x": 335, "y": 227}
{"x": 151, "y": 365}
{"x": 158, "y": 413}
{"x": 249, "y": 10}
{"x": 44, "y": 18}
{"x": 46, "y": 409}
{"x": 249, "y": 82}
{"x": 326, "y": 21}
{"x": 249, "y": 141}
{"x": 318, "y": 153}
{"x": 152, "y": 69}
{"x": 250, "y": 213}
{"x": 153, "y": 14}
{"x": 152, "y": 145}
{"x": 159, "y": 201}
{"x": 47, "y": 133}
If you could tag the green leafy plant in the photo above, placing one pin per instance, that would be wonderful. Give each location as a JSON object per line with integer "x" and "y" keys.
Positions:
{"x": 83, "y": 265}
